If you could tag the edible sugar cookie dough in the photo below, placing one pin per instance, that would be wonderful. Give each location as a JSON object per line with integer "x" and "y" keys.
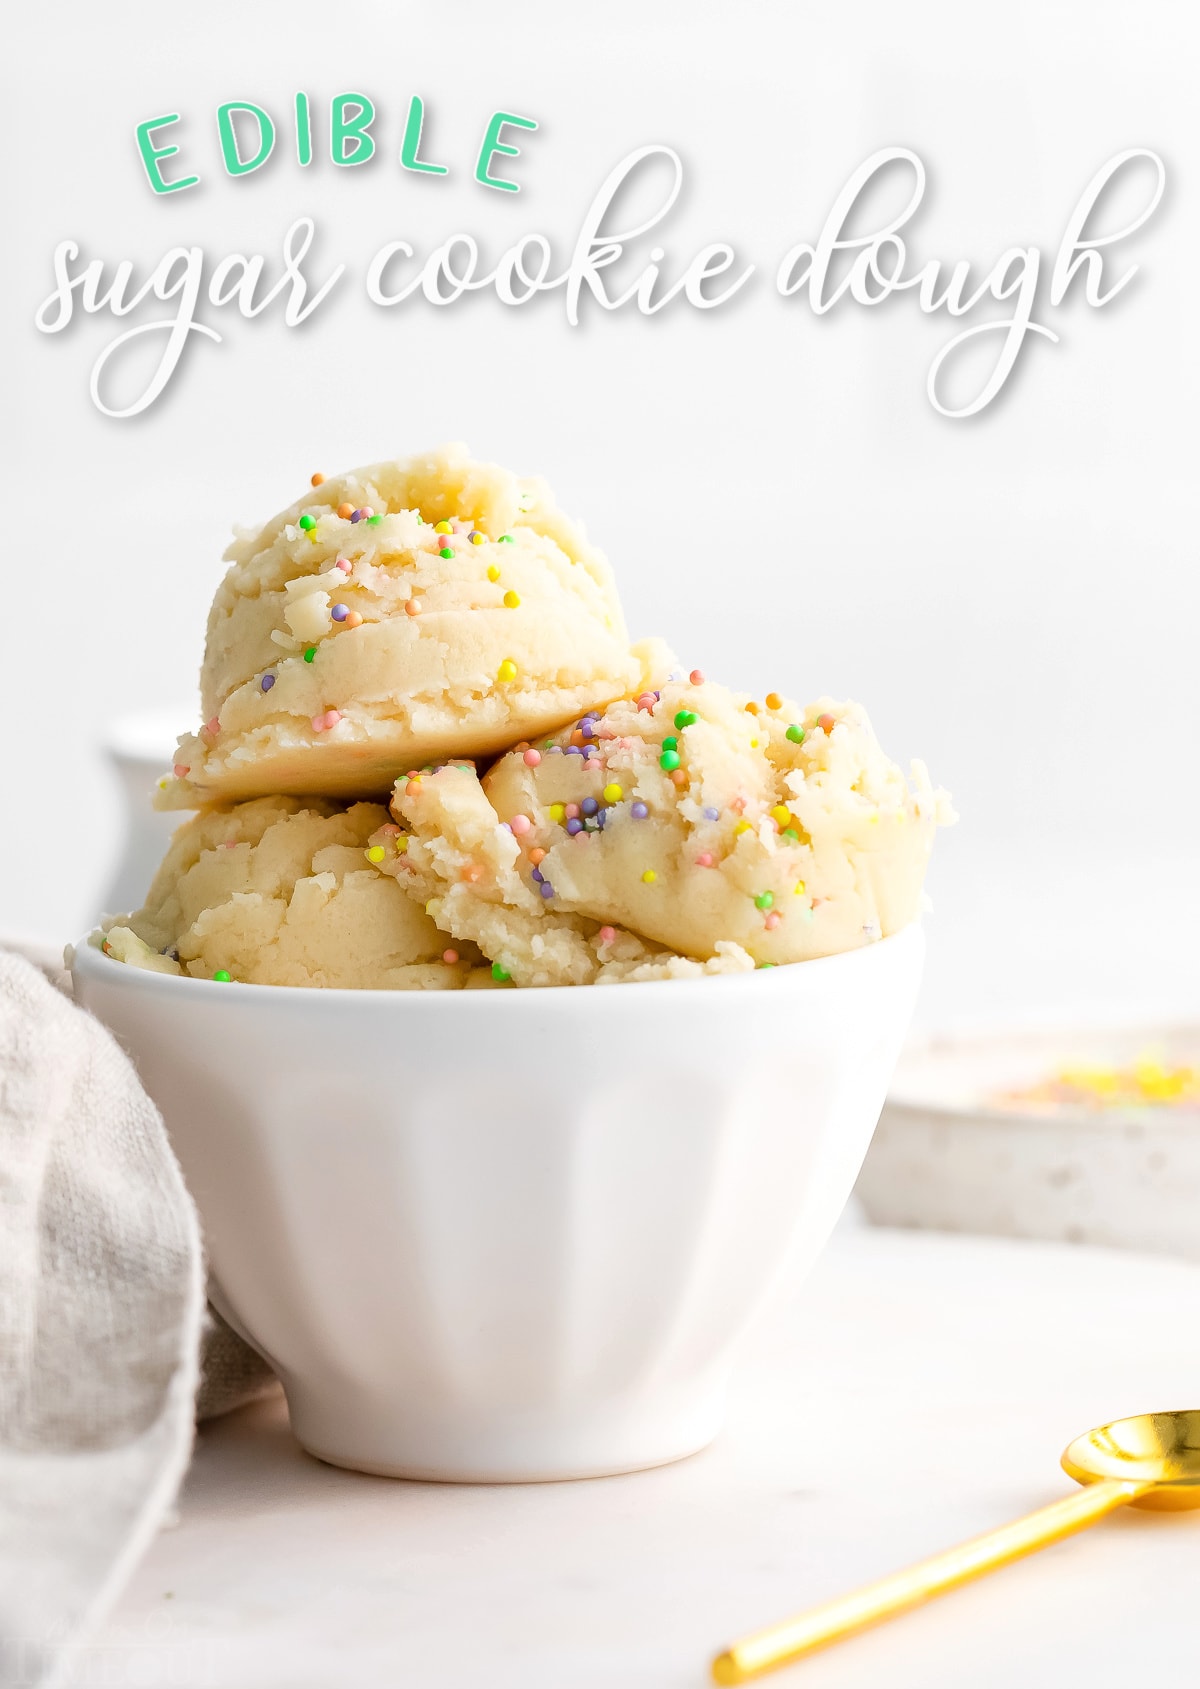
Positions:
{"x": 703, "y": 824}
{"x": 282, "y": 891}
{"x": 395, "y": 615}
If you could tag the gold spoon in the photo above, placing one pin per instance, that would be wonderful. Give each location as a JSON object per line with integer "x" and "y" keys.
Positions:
{"x": 1152, "y": 1460}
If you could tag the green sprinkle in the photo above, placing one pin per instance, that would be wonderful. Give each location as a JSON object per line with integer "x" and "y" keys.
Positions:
{"x": 669, "y": 761}
{"x": 764, "y": 900}
{"x": 310, "y": 654}
{"x": 670, "y": 743}
{"x": 499, "y": 972}
{"x": 795, "y": 733}
{"x": 308, "y": 522}
{"x": 768, "y": 964}
{"x": 685, "y": 718}
{"x": 790, "y": 833}
{"x": 447, "y": 551}
{"x": 374, "y": 521}
{"x": 505, "y": 539}
{"x": 223, "y": 976}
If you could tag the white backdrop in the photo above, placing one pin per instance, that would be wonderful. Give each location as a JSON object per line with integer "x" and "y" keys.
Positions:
{"x": 1014, "y": 597}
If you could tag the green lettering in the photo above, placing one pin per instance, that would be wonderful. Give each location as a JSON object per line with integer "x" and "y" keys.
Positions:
{"x": 303, "y": 130}
{"x": 343, "y": 129}
{"x": 412, "y": 140}
{"x": 235, "y": 164}
{"x": 492, "y": 144}
{"x": 152, "y": 154}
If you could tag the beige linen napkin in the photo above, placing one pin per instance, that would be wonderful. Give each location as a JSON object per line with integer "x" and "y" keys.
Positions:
{"x": 102, "y": 1317}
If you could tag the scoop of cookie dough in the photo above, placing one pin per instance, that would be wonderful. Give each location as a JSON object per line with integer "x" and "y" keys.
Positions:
{"x": 395, "y": 615}
{"x": 279, "y": 891}
{"x": 689, "y": 818}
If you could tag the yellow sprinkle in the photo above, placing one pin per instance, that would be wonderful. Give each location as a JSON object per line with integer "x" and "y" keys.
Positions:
{"x": 162, "y": 784}
{"x": 511, "y": 599}
{"x": 799, "y": 889}
{"x": 493, "y": 572}
{"x": 754, "y": 744}
{"x": 401, "y": 845}
{"x": 442, "y": 528}
{"x": 782, "y": 814}
{"x": 649, "y": 877}
{"x": 558, "y": 812}
{"x": 742, "y": 827}
{"x": 375, "y": 854}
{"x": 874, "y": 818}
{"x": 478, "y": 539}
{"x": 507, "y": 670}
{"x": 613, "y": 793}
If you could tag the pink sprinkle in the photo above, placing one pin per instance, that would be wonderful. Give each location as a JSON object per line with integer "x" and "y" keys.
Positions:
{"x": 697, "y": 677}
{"x": 181, "y": 770}
{"x": 647, "y": 701}
{"x": 607, "y": 934}
{"x": 532, "y": 758}
{"x": 322, "y": 723}
{"x": 572, "y": 812}
{"x": 772, "y": 920}
{"x": 230, "y": 844}
{"x": 520, "y": 824}
{"x": 704, "y": 860}
{"x": 449, "y": 957}
{"x": 344, "y": 565}
{"x": 213, "y": 726}
{"x": 367, "y": 511}
{"x": 738, "y": 805}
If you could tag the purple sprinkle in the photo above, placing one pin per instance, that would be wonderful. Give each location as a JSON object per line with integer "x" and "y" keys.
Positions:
{"x": 572, "y": 751}
{"x": 601, "y": 818}
{"x": 554, "y": 751}
{"x": 658, "y": 695}
{"x": 711, "y": 814}
{"x": 538, "y": 875}
{"x": 547, "y": 890}
{"x": 587, "y": 730}
{"x": 267, "y": 681}
{"x": 589, "y": 806}
{"x": 639, "y": 811}
{"x": 339, "y": 612}
{"x": 356, "y": 515}
{"x": 574, "y": 826}
{"x": 507, "y": 826}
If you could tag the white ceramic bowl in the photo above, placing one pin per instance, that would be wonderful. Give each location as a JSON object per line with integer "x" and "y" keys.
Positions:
{"x": 949, "y": 1158}
{"x": 512, "y": 1235}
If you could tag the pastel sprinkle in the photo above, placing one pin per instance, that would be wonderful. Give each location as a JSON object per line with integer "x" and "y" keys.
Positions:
{"x": 589, "y": 806}
{"x": 546, "y": 889}
{"x": 704, "y": 860}
{"x": 772, "y": 920}
{"x": 181, "y": 770}
{"x": 647, "y": 701}
{"x": 447, "y": 552}
{"x": 795, "y": 733}
{"x": 308, "y": 523}
{"x": 507, "y": 670}
{"x": 649, "y": 877}
{"x": 500, "y": 972}
{"x": 774, "y": 701}
{"x": 607, "y": 934}
{"x": 697, "y": 677}
{"x": 639, "y": 810}
{"x": 375, "y": 854}
{"x": 742, "y": 827}
{"x": 558, "y": 812}
{"x": 340, "y": 612}
{"x": 799, "y": 889}
{"x": 520, "y": 824}
{"x": 511, "y": 599}
{"x": 323, "y": 723}
{"x": 345, "y": 511}
{"x": 685, "y": 718}
{"x": 537, "y": 856}
{"x": 669, "y": 760}
{"x": 670, "y": 743}
{"x": 344, "y": 564}
{"x": 353, "y": 619}
{"x": 782, "y": 814}
{"x": 442, "y": 527}
{"x": 505, "y": 539}
{"x": 613, "y": 793}
{"x": 374, "y": 521}
{"x": 310, "y": 654}
{"x": 493, "y": 572}
{"x": 357, "y": 515}
{"x": 531, "y": 758}
{"x": 710, "y": 813}
{"x": 213, "y": 725}
{"x": 316, "y": 478}
{"x": 449, "y": 957}
{"x": 764, "y": 900}
{"x": 223, "y": 976}
{"x": 826, "y": 723}
{"x": 791, "y": 835}
{"x": 413, "y": 607}
{"x": 476, "y": 538}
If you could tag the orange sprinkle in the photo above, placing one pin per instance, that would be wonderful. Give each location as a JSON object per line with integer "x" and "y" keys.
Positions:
{"x": 774, "y": 701}
{"x": 576, "y": 737}
{"x": 317, "y": 478}
{"x": 413, "y": 787}
{"x": 537, "y": 856}
{"x": 413, "y": 607}
{"x": 345, "y": 511}
{"x": 449, "y": 957}
{"x": 826, "y": 723}
{"x": 751, "y": 708}
{"x": 678, "y": 777}
{"x": 472, "y": 872}
{"x": 353, "y": 619}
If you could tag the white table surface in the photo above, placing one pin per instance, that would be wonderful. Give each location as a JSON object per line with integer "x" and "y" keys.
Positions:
{"x": 917, "y": 1390}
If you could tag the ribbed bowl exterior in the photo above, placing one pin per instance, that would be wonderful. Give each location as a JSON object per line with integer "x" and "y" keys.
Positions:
{"x": 502, "y": 1236}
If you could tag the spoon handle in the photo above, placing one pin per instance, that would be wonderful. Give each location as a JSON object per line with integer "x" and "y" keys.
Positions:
{"x": 848, "y": 1613}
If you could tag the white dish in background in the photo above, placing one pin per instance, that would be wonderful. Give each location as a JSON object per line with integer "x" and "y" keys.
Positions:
{"x": 949, "y": 1156}
{"x": 140, "y": 749}
{"x": 512, "y": 1235}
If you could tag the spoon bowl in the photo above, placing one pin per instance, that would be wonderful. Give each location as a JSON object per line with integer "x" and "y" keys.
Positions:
{"x": 1160, "y": 1449}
